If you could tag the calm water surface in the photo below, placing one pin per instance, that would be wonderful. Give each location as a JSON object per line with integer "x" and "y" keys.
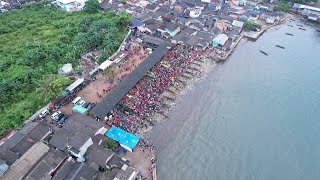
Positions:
{"x": 254, "y": 117}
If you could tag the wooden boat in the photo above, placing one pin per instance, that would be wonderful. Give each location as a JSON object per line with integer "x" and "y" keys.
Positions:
{"x": 263, "y": 52}
{"x": 290, "y": 25}
{"x": 279, "y": 46}
{"x": 302, "y": 29}
{"x": 299, "y": 25}
{"x": 289, "y": 34}
{"x": 151, "y": 75}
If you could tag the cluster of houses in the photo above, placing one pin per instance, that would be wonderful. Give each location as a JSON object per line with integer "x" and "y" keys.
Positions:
{"x": 310, "y": 12}
{"x": 73, "y": 152}
{"x": 198, "y": 23}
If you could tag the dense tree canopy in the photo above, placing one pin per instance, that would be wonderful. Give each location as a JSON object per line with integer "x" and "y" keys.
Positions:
{"x": 34, "y": 42}
{"x": 92, "y": 6}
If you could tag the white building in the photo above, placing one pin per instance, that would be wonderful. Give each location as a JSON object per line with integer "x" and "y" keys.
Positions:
{"x": 70, "y": 5}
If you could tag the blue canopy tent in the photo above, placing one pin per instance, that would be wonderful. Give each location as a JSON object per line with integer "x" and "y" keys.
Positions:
{"x": 126, "y": 140}
{"x": 115, "y": 133}
{"x": 129, "y": 141}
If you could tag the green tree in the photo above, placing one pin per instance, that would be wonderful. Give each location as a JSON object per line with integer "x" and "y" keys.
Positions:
{"x": 282, "y": 7}
{"x": 249, "y": 26}
{"x": 91, "y": 6}
{"x": 38, "y": 42}
{"x": 111, "y": 144}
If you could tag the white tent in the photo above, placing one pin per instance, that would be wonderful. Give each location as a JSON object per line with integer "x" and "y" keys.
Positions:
{"x": 75, "y": 84}
{"x": 105, "y": 65}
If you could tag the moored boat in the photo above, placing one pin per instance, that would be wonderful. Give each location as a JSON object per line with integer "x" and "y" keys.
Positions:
{"x": 263, "y": 52}
{"x": 280, "y": 46}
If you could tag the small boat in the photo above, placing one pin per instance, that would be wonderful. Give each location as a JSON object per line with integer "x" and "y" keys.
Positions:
{"x": 299, "y": 25}
{"x": 289, "y": 34}
{"x": 290, "y": 25}
{"x": 263, "y": 52}
{"x": 302, "y": 29}
{"x": 280, "y": 46}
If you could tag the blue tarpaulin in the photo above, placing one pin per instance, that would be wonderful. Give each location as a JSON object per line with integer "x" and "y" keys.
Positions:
{"x": 125, "y": 139}
{"x": 115, "y": 133}
{"x": 129, "y": 141}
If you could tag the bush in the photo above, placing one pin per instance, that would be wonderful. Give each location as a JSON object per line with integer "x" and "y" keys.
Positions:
{"x": 111, "y": 144}
{"x": 123, "y": 1}
{"x": 282, "y": 7}
{"x": 91, "y": 6}
{"x": 249, "y": 26}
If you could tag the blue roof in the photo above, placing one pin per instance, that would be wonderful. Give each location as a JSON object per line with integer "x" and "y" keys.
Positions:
{"x": 123, "y": 137}
{"x": 129, "y": 140}
{"x": 115, "y": 133}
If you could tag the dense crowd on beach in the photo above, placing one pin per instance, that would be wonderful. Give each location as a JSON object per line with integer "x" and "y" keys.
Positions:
{"x": 136, "y": 109}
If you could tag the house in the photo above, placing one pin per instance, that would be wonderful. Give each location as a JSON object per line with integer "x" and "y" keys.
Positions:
{"x": 4, "y": 4}
{"x": 214, "y": 31}
{"x": 220, "y": 40}
{"x": 204, "y": 35}
{"x": 152, "y": 7}
{"x": 78, "y": 144}
{"x": 196, "y": 26}
{"x": 238, "y": 24}
{"x": 172, "y": 29}
{"x": 184, "y": 21}
{"x": 233, "y": 34}
{"x": 189, "y": 30}
{"x": 195, "y": 12}
{"x": 47, "y": 166}
{"x": 76, "y": 135}
{"x": 135, "y": 23}
{"x": 23, "y": 165}
{"x": 181, "y": 38}
{"x": 99, "y": 155}
{"x": 17, "y": 143}
{"x": 3, "y": 167}
{"x": 306, "y": 10}
{"x": 193, "y": 41}
{"x": 271, "y": 20}
{"x": 70, "y": 5}
{"x": 221, "y": 25}
{"x": 202, "y": 43}
{"x": 66, "y": 69}
{"x": 209, "y": 22}
{"x": 214, "y": 7}
{"x": 142, "y": 3}
{"x": 73, "y": 170}
{"x": 168, "y": 18}
{"x": 226, "y": 19}
{"x": 126, "y": 173}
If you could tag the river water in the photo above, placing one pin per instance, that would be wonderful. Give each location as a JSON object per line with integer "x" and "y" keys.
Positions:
{"x": 254, "y": 117}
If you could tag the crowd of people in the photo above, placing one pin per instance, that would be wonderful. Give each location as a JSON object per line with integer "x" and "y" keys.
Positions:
{"x": 136, "y": 109}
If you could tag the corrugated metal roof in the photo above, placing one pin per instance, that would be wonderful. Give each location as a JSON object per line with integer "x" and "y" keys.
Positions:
{"x": 21, "y": 167}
